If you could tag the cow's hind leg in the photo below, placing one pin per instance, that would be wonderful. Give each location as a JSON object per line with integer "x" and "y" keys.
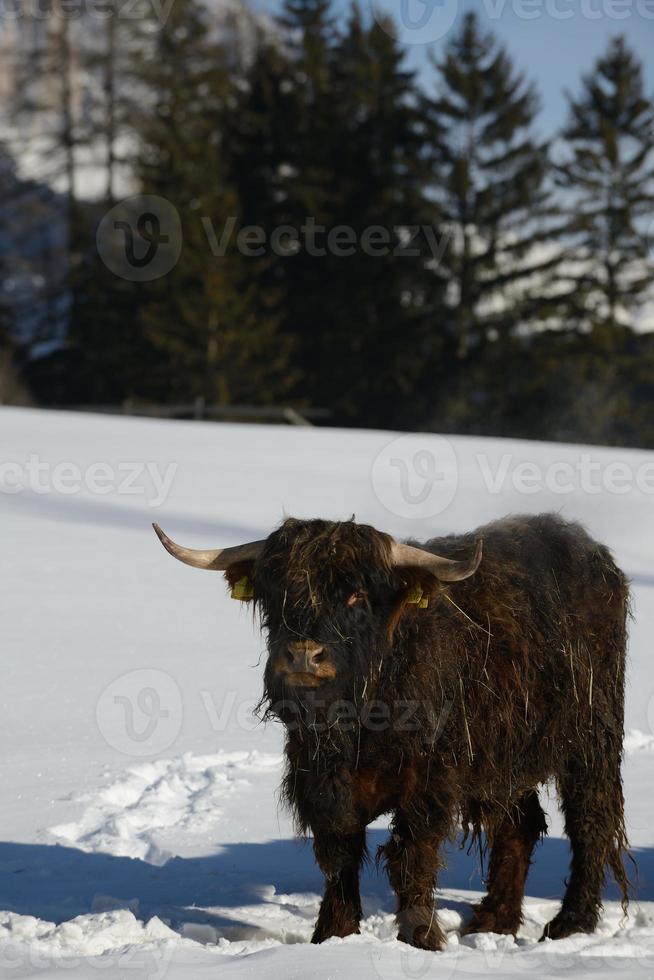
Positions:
{"x": 593, "y": 806}
{"x": 340, "y": 858}
{"x": 512, "y": 842}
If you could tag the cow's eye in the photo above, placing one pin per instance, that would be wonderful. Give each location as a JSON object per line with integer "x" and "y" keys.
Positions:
{"x": 356, "y": 598}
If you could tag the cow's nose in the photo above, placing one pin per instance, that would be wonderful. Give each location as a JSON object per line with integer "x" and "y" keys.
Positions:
{"x": 305, "y": 654}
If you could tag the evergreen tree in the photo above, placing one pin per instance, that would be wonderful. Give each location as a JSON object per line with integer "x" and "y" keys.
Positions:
{"x": 332, "y": 140}
{"x": 6, "y": 331}
{"x": 259, "y": 126}
{"x": 280, "y": 142}
{"x": 110, "y": 359}
{"x": 12, "y": 391}
{"x": 607, "y": 176}
{"x": 108, "y": 55}
{"x": 218, "y": 341}
{"x": 489, "y": 185}
{"x": 385, "y": 327}
{"x": 306, "y": 168}
{"x": 47, "y": 107}
{"x": 310, "y": 33}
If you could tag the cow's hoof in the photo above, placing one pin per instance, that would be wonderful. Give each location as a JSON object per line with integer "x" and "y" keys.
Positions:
{"x": 423, "y": 937}
{"x": 485, "y": 920}
{"x": 321, "y": 933}
{"x": 567, "y": 924}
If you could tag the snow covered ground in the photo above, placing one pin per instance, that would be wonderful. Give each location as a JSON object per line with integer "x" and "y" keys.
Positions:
{"x": 140, "y": 831}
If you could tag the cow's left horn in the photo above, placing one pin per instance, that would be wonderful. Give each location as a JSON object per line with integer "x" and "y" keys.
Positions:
{"x": 216, "y": 561}
{"x": 443, "y": 568}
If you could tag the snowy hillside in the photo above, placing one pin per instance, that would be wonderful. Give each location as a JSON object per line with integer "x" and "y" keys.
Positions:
{"x": 140, "y": 829}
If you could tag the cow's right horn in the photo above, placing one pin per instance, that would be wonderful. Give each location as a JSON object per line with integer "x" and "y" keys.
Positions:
{"x": 446, "y": 569}
{"x": 215, "y": 561}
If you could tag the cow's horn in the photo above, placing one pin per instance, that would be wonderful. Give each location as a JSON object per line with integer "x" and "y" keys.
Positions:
{"x": 216, "y": 561}
{"x": 443, "y": 568}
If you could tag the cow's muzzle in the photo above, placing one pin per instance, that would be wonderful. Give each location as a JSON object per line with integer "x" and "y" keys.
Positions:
{"x": 305, "y": 664}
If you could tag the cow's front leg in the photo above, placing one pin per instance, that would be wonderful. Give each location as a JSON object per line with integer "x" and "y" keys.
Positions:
{"x": 412, "y": 858}
{"x": 339, "y": 858}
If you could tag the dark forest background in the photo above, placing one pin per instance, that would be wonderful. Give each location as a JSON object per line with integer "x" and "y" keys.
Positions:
{"x": 502, "y": 276}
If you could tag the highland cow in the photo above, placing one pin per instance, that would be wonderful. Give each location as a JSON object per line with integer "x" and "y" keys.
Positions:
{"x": 422, "y": 682}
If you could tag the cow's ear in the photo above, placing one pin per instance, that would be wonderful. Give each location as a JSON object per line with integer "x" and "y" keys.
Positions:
{"x": 239, "y": 578}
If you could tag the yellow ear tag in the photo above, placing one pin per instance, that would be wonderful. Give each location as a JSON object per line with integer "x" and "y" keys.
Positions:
{"x": 242, "y": 590}
{"x": 414, "y": 598}
{"x": 423, "y": 603}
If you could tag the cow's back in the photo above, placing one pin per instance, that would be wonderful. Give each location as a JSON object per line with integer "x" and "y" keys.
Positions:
{"x": 535, "y": 646}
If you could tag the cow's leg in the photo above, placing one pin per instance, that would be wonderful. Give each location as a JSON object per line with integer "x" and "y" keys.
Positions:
{"x": 339, "y": 858}
{"x": 412, "y": 858}
{"x": 593, "y": 806}
{"x": 511, "y": 847}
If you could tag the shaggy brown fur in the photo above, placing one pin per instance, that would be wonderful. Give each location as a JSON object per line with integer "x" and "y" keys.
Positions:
{"x": 450, "y": 714}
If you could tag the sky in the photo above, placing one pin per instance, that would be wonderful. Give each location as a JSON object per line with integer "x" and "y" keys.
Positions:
{"x": 552, "y": 41}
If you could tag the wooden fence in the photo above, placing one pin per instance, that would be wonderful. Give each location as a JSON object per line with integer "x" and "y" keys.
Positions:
{"x": 200, "y": 410}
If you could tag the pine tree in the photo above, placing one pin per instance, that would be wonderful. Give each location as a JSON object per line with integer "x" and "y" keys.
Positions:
{"x": 47, "y": 110}
{"x": 6, "y": 345}
{"x": 489, "y": 185}
{"x": 607, "y": 176}
{"x": 385, "y": 324}
{"x": 259, "y": 127}
{"x": 280, "y": 144}
{"x": 115, "y": 98}
{"x": 219, "y": 343}
{"x": 310, "y": 32}
{"x": 281, "y": 137}
{"x": 12, "y": 391}
{"x": 331, "y": 136}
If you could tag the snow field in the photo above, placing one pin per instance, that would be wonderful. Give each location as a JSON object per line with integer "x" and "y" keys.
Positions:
{"x": 143, "y": 836}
